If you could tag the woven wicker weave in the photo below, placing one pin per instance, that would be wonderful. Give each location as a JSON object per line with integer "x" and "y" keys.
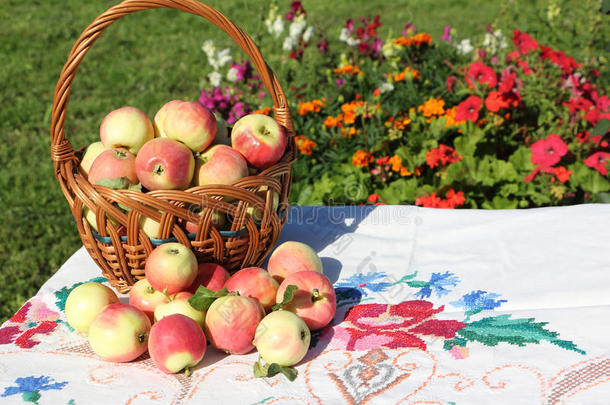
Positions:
{"x": 122, "y": 258}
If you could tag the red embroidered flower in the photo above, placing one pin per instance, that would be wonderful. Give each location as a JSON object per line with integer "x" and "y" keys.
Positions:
{"x": 481, "y": 73}
{"x": 524, "y": 42}
{"x": 547, "y": 152}
{"x": 469, "y": 109}
{"x": 404, "y": 325}
{"x": 599, "y": 161}
{"x": 562, "y": 173}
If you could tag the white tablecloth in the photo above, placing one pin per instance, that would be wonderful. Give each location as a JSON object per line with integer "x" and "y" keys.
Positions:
{"x": 434, "y": 307}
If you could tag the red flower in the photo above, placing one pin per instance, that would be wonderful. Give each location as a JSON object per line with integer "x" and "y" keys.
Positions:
{"x": 478, "y": 72}
{"x": 595, "y": 115}
{"x": 396, "y": 326}
{"x": 524, "y": 42}
{"x": 525, "y": 67}
{"x": 373, "y": 198}
{"x": 577, "y": 104}
{"x": 469, "y": 109}
{"x": 450, "y": 82}
{"x": 429, "y": 201}
{"x": 507, "y": 81}
{"x": 547, "y": 152}
{"x": 495, "y": 101}
{"x": 562, "y": 173}
{"x": 455, "y": 199}
{"x": 599, "y": 161}
{"x": 513, "y": 57}
{"x": 566, "y": 63}
{"x": 442, "y": 155}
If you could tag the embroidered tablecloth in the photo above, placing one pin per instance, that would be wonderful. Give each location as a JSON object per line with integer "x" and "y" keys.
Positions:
{"x": 434, "y": 307}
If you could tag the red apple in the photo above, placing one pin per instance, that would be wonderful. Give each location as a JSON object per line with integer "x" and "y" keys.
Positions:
{"x": 171, "y": 268}
{"x": 210, "y": 275}
{"x": 190, "y": 123}
{"x": 113, "y": 164}
{"x": 292, "y": 257}
{"x": 314, "y": 300}
{"x": 119, "y": 333}
{"x": 254, "y": 282}
{"x": 231, "y": 321}
{"x": 127, "y": 127}
{"x": 144, "y": 297}
{"x": 260, "y": 139}
{"x": 165, "y": 164}
{"x": 176, "y": 342}
{"x": 220, "y": 164}
{"x": 283, "y": 338}
{"x": 159, "y": 120}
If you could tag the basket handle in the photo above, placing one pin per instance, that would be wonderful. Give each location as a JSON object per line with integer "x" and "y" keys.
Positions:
{"x": 61, "y": 148}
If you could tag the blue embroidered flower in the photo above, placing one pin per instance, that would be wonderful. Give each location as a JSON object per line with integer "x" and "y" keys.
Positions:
{"x": 363, "y": 282}
{"x": 476, "y": 301}
{"x": 437, "y": 283}
{"x": 30, "y": 387}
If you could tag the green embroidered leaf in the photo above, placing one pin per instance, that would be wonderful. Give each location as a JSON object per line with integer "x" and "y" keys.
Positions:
{"x": 288, "y": 296}
{"x": 492, "y": 330}
{"x": 405, "y": 278}
{"x": 418, "y": 284}
{"x": 203, "y": 297}
{"x": 456, "y": 341}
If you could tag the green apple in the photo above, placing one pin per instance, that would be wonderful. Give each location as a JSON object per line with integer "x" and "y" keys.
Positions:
{"x": 282, "y": 337}
{"x": 93, "y": 151}
{"x": 85, "y": 302}
{"x": 180, "y": 305}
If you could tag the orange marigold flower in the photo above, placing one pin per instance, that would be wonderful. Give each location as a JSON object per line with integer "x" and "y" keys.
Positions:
{"x": 396, "y": 163}
{"x": 450, "y": 117}
{"x": 404, "y": 172}
{"x": 362, "y": 158}
{"x": 432, "y": 107}
{"x": 349, "y": 111}
{"x": 410, "y": 73}
{"x": 310, "y": 106}
{"x": 266, "y": 111}
{"x": 304, "y": 144}
{"x": 331, "y": 122}
{"x": 417, "y": 40}
{"x": 347, "y": 69}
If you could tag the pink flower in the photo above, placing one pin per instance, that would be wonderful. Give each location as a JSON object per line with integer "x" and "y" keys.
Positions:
{"x": 599, "y": 161}
{"x": 447, "y": 34}
{"x": 547, "y": 152}
{"x": 450, "y": 82}
{"x": 469, "y": 109}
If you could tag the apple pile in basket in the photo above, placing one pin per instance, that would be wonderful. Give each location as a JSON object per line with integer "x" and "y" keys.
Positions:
{"x": 190, "y": 304}
{"x": 186, "y": 146}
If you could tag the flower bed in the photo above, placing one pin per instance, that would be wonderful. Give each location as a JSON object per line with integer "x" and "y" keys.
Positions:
{"x": 510, "y": 123}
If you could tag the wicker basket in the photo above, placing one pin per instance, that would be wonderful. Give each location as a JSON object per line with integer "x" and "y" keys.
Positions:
{"x": 122, "y": 257}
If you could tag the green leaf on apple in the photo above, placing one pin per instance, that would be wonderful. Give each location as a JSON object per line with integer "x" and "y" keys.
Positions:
{"x": 203, "y": 297}
{"x": 118, "y": 183}
{"x": 289, "y": 372}
{"x": 270, "y": 370}
{"x": 259, "y": 370}
{"x": 288, "y": 296}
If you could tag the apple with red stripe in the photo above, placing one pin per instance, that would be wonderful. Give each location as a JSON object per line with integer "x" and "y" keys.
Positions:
{"x": 119, "y": 333}
{"x": 165, "y": 164}
{"x": 126, "y": 127}
{"x": 171, "y": 268}
{"x": 260, "y": 139}
{"x": 254, "y": 282}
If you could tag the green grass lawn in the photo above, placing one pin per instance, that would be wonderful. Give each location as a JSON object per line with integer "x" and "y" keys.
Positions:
{"x": 143, "y": 60}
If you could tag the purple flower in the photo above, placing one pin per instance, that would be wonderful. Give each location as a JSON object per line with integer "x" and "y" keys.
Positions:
{"x": 340, "y": 82}
{"x": 240, "y": 72}
{"x": 377, "y": 45}
{"x": 447, "y": 34}
{"x": 224, "y": 101}
{"x": 350, "y": 25}
{"x": 239, "y": 110}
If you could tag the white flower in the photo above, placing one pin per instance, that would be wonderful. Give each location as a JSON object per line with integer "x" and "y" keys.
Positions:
{"x": 308, "y": 33}
{"x": 232, "y": 75}
{"x": 386, "y": 87}
{"x": 208, "y": 48}
{"x": 278, "y": 26}
{"x": 289, "y": 43}
{"x": 464, "y": 46}
{"x": 215, "y": 78}
{"x": 296, "y": 27}
{"x": 494, "y": 42}
{"x": 352, "y": 41}
{"x": 344, "y": 35}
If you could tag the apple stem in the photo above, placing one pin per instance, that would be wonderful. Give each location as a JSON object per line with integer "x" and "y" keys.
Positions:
{"x": 169, "y": 297}
{"x": 187, "y": 371}
{"x": 315, "y": 295}
{"x": 150, "y": 290}
{"x": 120, "y": 154}
{"x": 158, "y": 169}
